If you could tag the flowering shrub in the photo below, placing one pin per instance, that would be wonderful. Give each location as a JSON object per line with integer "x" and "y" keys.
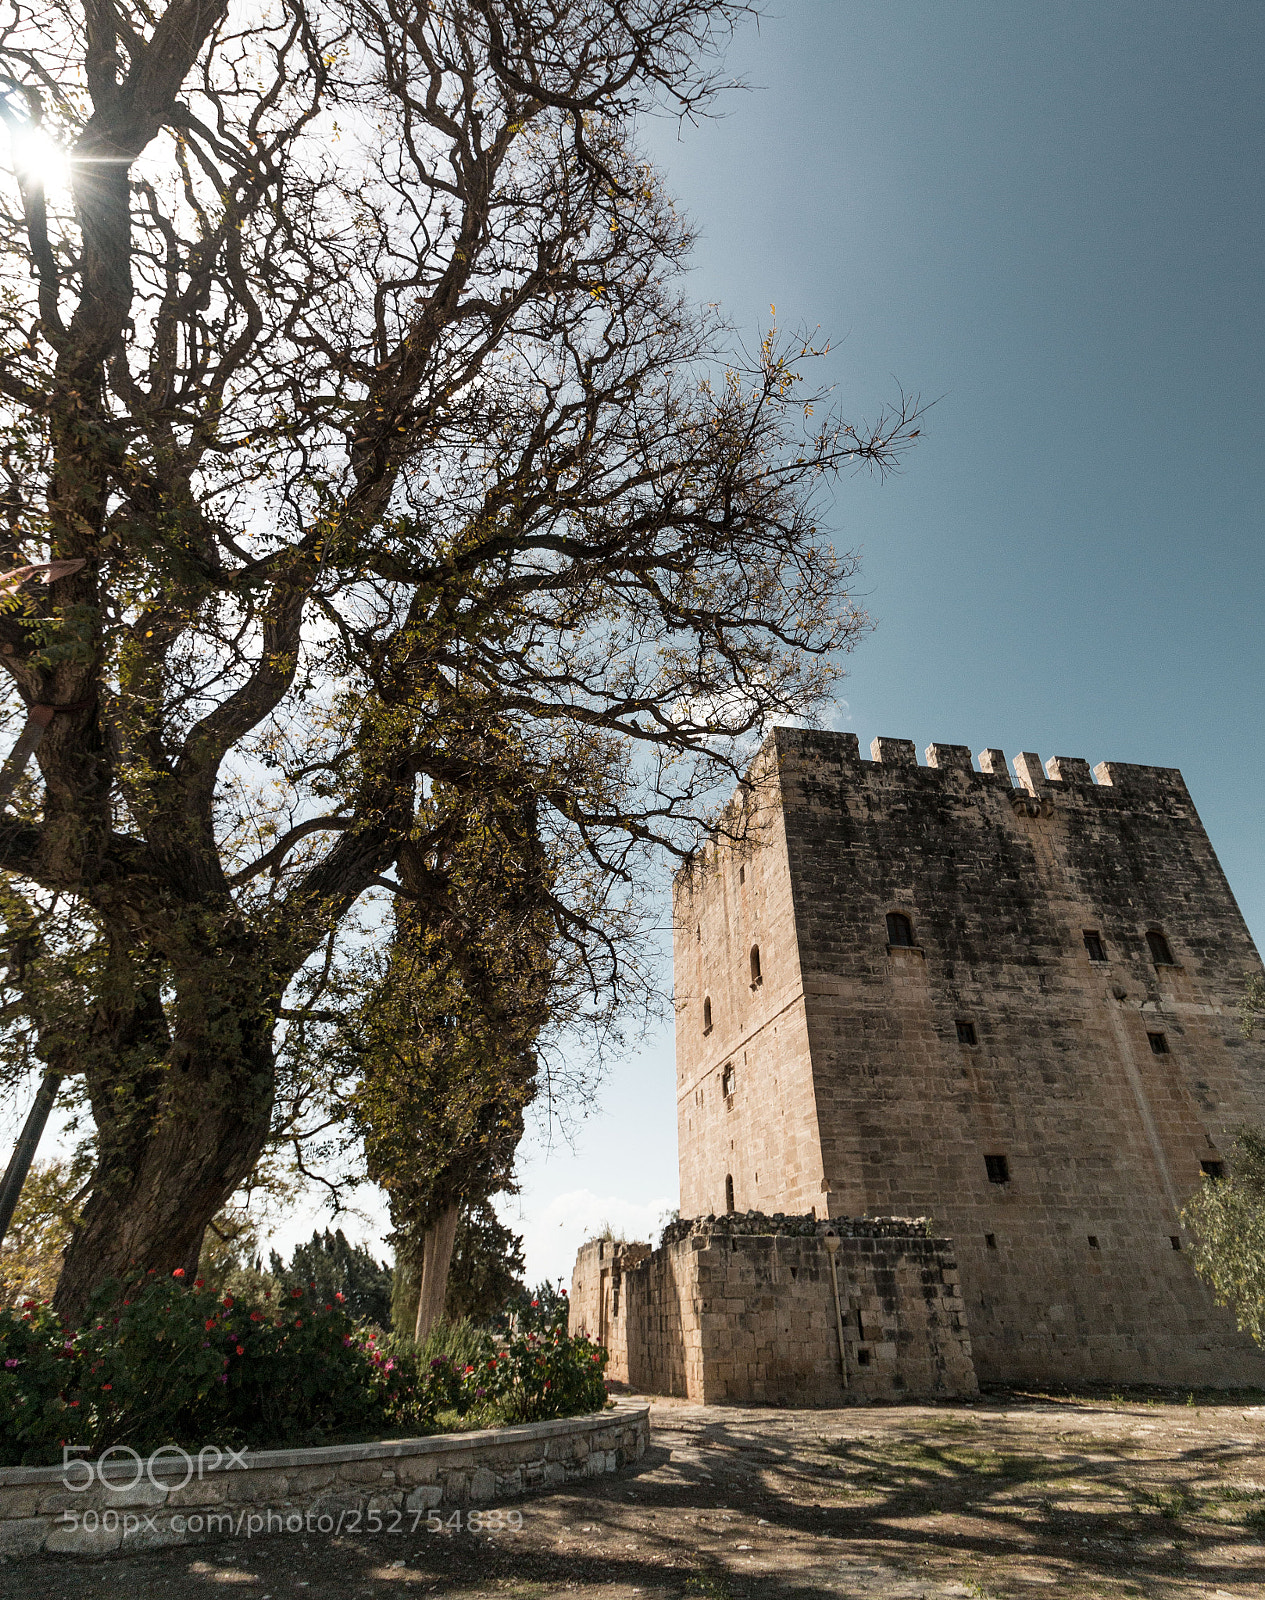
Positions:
{"x": 538, "y": 1375}
{"x": 157, "y": 1362}
{"x": 161, "y": 1362}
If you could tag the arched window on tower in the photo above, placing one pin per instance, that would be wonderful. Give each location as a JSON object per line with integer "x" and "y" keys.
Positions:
{"x": 1157, "y": 944}
{"x": 756, "y": 979}
{"x": 707, "y": 1016}
{"x": 900, "y": 930}
{"x": 729, "y": 1192}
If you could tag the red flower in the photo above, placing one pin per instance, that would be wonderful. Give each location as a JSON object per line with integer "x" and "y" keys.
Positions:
{"x": 178, "y": 1273}
{"x": 328, "y": 1307}
{"x": 491, "y": 1361}
{"x": 298, "y": 1322}
{"x": 107, "y": 1386}
{"x": 535, "y": 1302}
{"x": 198, "y": 1282}
{"x": 240, "y": 1351}
{"x": 296, "y": 1294}
{"x": 256, "y": 1316}
{"x": 340, "y": 1295}
{"x": 210, "y": 1323}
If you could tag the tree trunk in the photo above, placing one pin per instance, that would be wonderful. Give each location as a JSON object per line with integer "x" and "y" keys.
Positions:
{"x": 167, "y": 1168}
{"x": 437, "y": 1243}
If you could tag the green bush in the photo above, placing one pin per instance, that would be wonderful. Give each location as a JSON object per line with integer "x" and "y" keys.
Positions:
{"x": 157, "y": 1362}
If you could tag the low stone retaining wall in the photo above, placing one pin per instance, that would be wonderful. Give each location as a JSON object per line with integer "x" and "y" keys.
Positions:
{"x": 346, "y": 1488}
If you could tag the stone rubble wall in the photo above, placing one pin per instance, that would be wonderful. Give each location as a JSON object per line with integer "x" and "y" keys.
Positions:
{"x": 334, "y": 1488}
{"x": 721, "y": 1312}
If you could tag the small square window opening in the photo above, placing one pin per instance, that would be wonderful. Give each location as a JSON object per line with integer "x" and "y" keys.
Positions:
{"x": 1093, "y": 1242}
{"x": 990, "y": 1241}
{"x": 900, "y": 930}
{"x": 1213, "y": 1169}
{"x": 1094, "y": 945}
{"x": 998, "y": 1169}
{"x": 1174, "y": 1241}
{"x": 1157, "y": 944}
{"x": 1158, "y": 1043}
{"x": 966, "y": 1033}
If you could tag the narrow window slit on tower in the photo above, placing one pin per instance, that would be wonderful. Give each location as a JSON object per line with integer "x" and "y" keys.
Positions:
{"x": 998, "y": 1169}
{"x": 727, "y": 1081}
{"x": 1157, "y": 944}
{"x": 742, "y": 874}
{"x": 707, "y": 1016}
{"x": 966, "y": 1033}
{"x": 990, "y": 1241}
{"x": 1094, "y": 945}
{"x": 1158, "y": 1043}
{"x": 756, "y": 979}
{"x": 729, "y": 1192}
{"x": 900, "y": 930}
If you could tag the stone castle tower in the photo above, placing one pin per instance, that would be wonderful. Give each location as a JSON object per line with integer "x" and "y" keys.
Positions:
{"x": 924, "y": 990}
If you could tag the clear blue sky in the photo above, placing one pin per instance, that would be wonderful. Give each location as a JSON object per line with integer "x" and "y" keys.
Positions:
{"x": 1051, "y": 216}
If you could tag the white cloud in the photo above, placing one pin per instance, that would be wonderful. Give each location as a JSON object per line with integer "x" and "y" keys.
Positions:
{"x": 554, "y": 1232}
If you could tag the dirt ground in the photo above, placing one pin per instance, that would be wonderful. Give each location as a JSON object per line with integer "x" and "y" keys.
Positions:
{"x": 1011, "y": 1496}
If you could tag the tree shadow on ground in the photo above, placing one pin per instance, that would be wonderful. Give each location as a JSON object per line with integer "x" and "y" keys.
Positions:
{"x": 723, "y": 1506}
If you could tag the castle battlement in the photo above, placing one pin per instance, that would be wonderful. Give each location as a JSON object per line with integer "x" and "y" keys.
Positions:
{"x": 1030, "y": 772}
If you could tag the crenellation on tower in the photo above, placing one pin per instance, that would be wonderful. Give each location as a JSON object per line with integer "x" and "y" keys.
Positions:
{"x": 1068, "y": 769}
{"x": 949, "y": 755}
{"x": 894, "y": 752}
{"x": 1030, "y": 772}
{"x": 993, "y": 762}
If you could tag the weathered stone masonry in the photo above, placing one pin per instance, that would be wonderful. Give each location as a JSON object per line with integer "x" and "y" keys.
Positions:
{"x": 742, "y": 1308}
{"x": 1044, "y": 1055}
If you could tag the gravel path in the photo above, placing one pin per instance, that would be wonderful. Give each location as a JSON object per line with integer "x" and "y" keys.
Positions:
{"x": 1011, "y": 1496}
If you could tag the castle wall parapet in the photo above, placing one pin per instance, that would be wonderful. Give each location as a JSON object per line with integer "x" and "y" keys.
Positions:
{"x": 741, "y": 1307}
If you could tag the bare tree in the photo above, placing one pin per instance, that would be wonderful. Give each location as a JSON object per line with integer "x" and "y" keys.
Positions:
{"x": 352, "y": 361}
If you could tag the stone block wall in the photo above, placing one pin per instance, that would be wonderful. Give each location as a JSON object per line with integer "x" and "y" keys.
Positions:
{"x": 1033, "y": 1070}
{"x": 742, "y": 1309}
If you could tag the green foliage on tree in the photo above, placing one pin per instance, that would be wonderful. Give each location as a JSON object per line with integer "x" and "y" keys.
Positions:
{"x": 334, "y": 1270}
{"x": 1226, "y": 1220}
{"x": 31, "y": 1255}
{"x": 487, "y": 1266}
{"x": 355, "y": 368}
